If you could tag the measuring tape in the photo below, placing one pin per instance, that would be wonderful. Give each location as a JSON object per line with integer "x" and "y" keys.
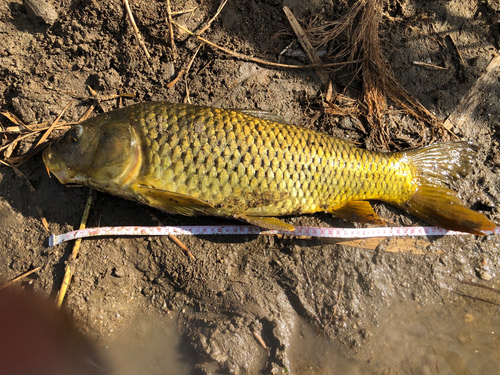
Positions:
{"x": 252, "y": 230}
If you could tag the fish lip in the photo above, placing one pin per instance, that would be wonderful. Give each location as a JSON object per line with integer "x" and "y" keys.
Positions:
{"x": 57, "y": 167}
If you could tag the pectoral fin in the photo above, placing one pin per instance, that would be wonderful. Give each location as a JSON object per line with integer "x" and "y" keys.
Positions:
{"x": 174, "y": 203}
{"x": 360, "y": 211}
{"x": 267, "y": 222}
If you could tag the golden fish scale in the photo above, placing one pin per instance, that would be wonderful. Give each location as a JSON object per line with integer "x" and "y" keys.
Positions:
{"x": 249, "y": 165}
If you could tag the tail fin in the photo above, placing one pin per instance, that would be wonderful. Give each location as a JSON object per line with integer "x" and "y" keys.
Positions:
{"x": 437, "y": 167}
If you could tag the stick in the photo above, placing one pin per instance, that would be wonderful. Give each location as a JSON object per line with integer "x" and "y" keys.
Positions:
{"x": 21, "y": 276}
{"x": 68, "y": 272}
{"x": 462, "y": 62}
{"x": 480, "y": 285}
{"x": 260, "y": 61}
{"x": 476, "y": 298}
{"x": 259, "y": 339}
{"x": 14, "y": 119}
{"x": 205, "y": 28}
{"x": 311, "y": 53}
{"x": 430, "y": 66}
{"x": 49, "y": 130}
{"x": 173, "y": 238}
{"x": 171, "y": 30}
{"x": 182, "y": 246}
{"x": 183, "y": 11}
{"x": 464, "y": 110}
{"x": 183, "y": 71}
{"x": 136, "y": 30}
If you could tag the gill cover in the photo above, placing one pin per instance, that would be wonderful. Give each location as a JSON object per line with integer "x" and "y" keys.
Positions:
{"x": 99, "y": 151}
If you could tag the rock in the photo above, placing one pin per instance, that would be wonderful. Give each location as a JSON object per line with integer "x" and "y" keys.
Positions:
{"x": 41, "y": 10}
{"x": 483, "y": 274}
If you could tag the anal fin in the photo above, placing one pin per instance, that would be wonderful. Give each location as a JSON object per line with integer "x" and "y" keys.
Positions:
{"x": 174, "y": 203}
{"x": 359, "y": 211}
{"x": 267, "y": 222}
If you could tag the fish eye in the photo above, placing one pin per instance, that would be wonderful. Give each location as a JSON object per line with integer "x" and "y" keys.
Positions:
{"x": 75, "y": 133}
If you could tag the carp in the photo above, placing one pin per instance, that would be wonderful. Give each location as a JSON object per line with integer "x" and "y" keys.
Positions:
{"x": 250, "y": 165}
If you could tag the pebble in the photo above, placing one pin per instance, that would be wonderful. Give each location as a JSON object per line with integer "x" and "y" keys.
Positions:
{"x": 41, "y": 9}
{"x": 484, "y": 275}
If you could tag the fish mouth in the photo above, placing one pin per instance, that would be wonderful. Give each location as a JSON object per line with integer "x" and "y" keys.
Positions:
{"x": 57, "y": 167}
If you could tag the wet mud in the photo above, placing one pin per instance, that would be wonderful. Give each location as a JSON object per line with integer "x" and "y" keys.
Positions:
{"x": 318, "y": 307}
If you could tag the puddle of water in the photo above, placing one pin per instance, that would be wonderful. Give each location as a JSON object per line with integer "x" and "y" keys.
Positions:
{"x": 441, "y": 341}
{"x": 421, "y": 342}
{"x": 150, "y": 346}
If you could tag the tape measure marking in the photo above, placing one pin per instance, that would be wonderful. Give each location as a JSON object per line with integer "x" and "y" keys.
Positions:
{"x": 252, "y": 230}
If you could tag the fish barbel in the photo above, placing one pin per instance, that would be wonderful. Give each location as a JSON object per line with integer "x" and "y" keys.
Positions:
{"x": 245, "y": 164}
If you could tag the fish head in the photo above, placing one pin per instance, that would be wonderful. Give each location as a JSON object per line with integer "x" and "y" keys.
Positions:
{"x": 99, "y": 152}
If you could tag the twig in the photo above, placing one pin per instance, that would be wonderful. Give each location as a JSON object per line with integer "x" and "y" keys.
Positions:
{"x": 430, "y": 66}
{"x": 182, "y": 246}
{"x": 68, "y": 272}
{"x": 173, "y": 238}
{"x": 260, "y": 61}
{"x": 96, "y": 96}
{"x": 183, "y": 11}
{"x": 136, "y": 30}
{"x": 184, "y": 71}
{"x": 36, "y": 128}
{"x": 462, "y": 62}
{"x": 311, "y": 53}
{"x": 186, "y": 98}
{"x": 205, "y": 28}
{"x": 87, "y": 113}
{"x": 15, "y": 141}
{"x": 259, "y": 339}
{"x": 463, "y": 112}
{"x": 49, "y": 130}
{"x": 10, "y": 147}
{"x": 480, "y": 286}
{"x": 14, "y": 119}
{"x": 21, "y": 276}
{"x": 476, "y": 298}
{"x": 20, "y": 160}
{"x": 171, "y": 30}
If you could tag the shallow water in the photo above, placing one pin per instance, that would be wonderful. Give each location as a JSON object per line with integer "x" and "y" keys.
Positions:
{"x": 425, "y": 341}
{"x": 439, "y": 341}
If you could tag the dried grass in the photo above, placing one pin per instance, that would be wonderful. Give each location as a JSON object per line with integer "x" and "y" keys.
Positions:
{"x": 356, "y": 37}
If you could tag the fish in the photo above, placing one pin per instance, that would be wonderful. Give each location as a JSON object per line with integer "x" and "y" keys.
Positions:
{"x": 253, "y": 166}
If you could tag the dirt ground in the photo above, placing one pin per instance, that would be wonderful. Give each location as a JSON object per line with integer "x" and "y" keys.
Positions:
{"x": 320, "y": 308}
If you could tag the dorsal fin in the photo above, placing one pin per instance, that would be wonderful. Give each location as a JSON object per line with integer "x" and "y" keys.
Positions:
{"x": 264, "y": 115}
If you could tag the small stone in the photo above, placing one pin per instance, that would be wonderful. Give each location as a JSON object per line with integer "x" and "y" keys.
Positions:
{"x": 118, "y": 272}
{"x": 484, "y": 275}
{"x": 41, "y": 9}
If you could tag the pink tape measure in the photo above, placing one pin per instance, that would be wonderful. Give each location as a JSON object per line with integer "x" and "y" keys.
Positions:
{"x": 253, "y": 230}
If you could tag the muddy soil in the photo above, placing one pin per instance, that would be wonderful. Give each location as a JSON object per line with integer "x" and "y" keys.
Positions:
{"x": 319, "y": 307}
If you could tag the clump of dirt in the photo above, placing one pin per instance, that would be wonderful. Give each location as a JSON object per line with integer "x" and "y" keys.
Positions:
{"x": 306, "y": 299}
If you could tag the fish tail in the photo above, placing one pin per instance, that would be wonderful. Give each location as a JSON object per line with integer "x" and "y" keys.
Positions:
{"x": 437, "y": 166}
